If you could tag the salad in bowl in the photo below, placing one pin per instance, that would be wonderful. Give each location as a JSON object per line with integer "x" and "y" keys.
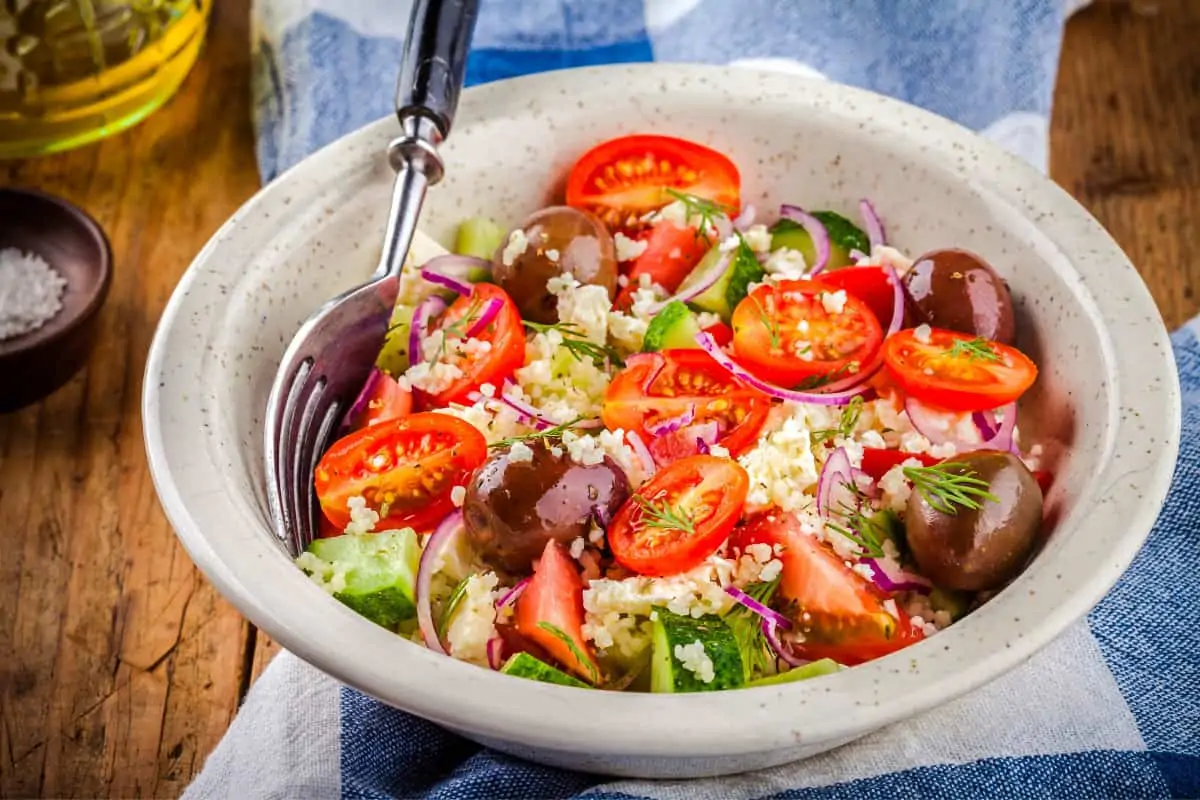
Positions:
{"x": 655, "y": 439}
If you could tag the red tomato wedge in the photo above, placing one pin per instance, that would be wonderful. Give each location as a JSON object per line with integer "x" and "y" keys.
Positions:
{"x": 505, "y": 334}
{"x": 550, "y": 612}
{"x": 841, "y": 614}
{"x": 722, "y": 334}
{"x": 386, "y": 400}
{"x": 957, "y": 371}
{"x": 876, "y": 462}
{"x": 798, "y": 329}
{"x": 1044, "y": 478}
{"x": 670, "y": 255}
{"x": 869, "y": 284}
{"x": 680, "y": 516}
{"x": 657, "y": 387}
{"x": 404, "y": 468}
{"x": 623, "y": 179}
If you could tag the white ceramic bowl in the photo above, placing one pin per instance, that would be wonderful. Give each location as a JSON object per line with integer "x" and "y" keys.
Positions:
{"x": 1107, "y": 389}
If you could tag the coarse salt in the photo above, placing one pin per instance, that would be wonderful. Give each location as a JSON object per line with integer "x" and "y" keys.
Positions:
{"x": 30, "y": 292}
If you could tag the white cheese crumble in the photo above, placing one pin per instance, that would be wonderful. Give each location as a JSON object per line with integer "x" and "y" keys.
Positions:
{"x": 362, "y": 518}
{"x": 834, "y": 302}
{"x": 577, "y": 547}
{"x": 629, "y": 249}
{"x": 552, "y": 256}
{"x": 922, "y": 332}
{"x": 520, "y": 453}
{"x": 895, "y": 487}
{"x": 758, "y": 238}
{"x": 474, "y": 621}
{"x": 516, "y": 246}
{"x": 695, "y": 660}
{"x": 458, "y": 496}
{"x": 786, "y": 264}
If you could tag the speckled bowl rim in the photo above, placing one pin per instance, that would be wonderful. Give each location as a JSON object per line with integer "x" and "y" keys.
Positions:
{"x": 1128, "y": 492}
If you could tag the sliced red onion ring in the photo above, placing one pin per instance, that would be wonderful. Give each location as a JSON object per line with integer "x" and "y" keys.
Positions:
{"x": 643, "y": 452}
{"x": 837, "y": 471}
{"x": 495, "y": 652}
{"x": 601, "y": 516}
{"x": 710, "y": 346}
{"x": 745, "y": 219}
{"x": 510, "y": 597}
{"x": 937, "y": 425}
{"x": 858, "y": 255}
{"x": 873, "y": 224}
{"x": 758, "y": 608}
{"x": 490, "y": 309}
{"x": 426, "y": 310}
{"x": 897, "y": 300}
{"x": 771, "y": 634}
{"x": 364, "y": 396}
{"x": 705, "y": 434}
{"x": 983, "y": 422}
{"x": 672, "y": 424}
{"x": 816, "y": 231}
{"x": 433, "y": 548}
{"x": 997, "y": 434}
{"x": 692, "y": 292}
{"x": 888, "y": 576}
{"x": 440, "y": 269}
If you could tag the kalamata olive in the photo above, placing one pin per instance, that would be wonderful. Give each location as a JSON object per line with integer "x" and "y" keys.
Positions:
{"x": 976, "y": 549}
{"x": 556, "y": 240}
{"x": 514, "y": 506}
{"x": 958, "y": 291}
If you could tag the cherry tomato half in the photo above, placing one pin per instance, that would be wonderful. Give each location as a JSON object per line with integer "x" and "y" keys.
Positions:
{"x": 657, "y": 387}
{"x": 957, "y": 371}
{"x": 623, "y": 179}
{"x": 670, "y": 255}
{"x": 505, "y": 336}
{"x": 799, "y": 329}
{"x": 869, "y": 284}
{"x": 386, "y": 399}
{"x": 554, "y": 597}
{"x": 679, "y": 517}
{"x": 404, "y": 468}
{"x": 876, "y": 462}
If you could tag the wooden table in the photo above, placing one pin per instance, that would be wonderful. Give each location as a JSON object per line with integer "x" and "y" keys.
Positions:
{"x": 120, "y": 666}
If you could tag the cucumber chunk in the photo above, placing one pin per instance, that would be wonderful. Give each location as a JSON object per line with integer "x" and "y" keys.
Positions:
{"x": 372, "y": 573}
{"x": 523, "y": 665}
{"x": 844, "y": 236}
{"x": 393, "y": 356}
{"x": 815, "y": 669}
{"x": 667, "y": 673}
{"x": 675, "y": 327}
{"x": 479, "y": 237}
{"x": 724, "y": 295}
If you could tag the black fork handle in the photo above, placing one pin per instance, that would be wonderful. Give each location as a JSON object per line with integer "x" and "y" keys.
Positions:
{"x": 434, "y": 64}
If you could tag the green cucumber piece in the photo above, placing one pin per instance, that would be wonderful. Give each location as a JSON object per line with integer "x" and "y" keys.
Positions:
{"x": 674, "y": 327}
{"x": 523, "y": 665}
{"x": 379, "y": 571}
{"x": 479, "y": 237}
{"x": 723, "y": 296}
{"x": 844, "y": 236}
{"x": 667, "y": 674}
{"x": 815, "y": 669}
{"x": 393, "y": 356}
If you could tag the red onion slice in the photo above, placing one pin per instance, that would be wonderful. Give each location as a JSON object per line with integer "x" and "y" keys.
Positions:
{"x": 997, "y": 435}
{"x": 495, "y": 652}
{"x": 705, "y": 434}
{"x": 364, "y": 396}
{"x": 433, "y": 548}
{"x": 858, "y": 255}
{"x": 816, "y": 231}
{"x": 438, "y": 271}
{"x": 874, "y": 225}
{"x": 710, "y": 346}
{"x": 897, "y": 301}
{"x": 642, "y": 452}
{"x": 510, "y": 597}
{"x": 672, "y": 424}
{"x": 691, "y": 293}
{"x": 890, "y": 577}
{"x": 758, "y": 608}
{"x": 938, "y": 425}
{"x": 426, "y": 310}
{"x": 601, "y": 516}
{"x": 745, "y": 219}
{"x": 836, "y": 472}
{"x": 490, "y": 309}
{"x": 771, "y": 634}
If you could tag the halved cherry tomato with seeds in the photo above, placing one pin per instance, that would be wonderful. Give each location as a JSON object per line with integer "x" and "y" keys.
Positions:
{"x": 505, "y": 351}
{"x": 670, "y": 255}
{"x": 680, "y": 516}
{"x": 623, "y": 179}
{"x": 790, "y": 331}
{"x": 840, "y": 614}
{"x": 404, "y": 468}
{"x": 657, "y": 387}
{"x": 957, "y": 371}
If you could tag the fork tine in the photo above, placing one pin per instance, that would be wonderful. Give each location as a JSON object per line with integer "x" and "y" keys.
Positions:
{"x": 320, "y": 442}
{"x": 283, "y": 448}
{"x": 313, "y": 409}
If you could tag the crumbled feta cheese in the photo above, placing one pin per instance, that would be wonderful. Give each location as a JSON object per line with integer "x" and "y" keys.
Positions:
{"x": 520, "y": 453}
{"x": 770, "y": 571}
{"x": 758, "y": 238}
{"x": 474, "y": 621}
{"x": 629, "y": 249}
{"x": 458, "y": 496}
{"x": 695, "y": 660}
{"x": 718, "y": 451}
{"x": 706, "y": 319}
{"x": 922, "y": 333}
{"x": 913, "y": 442}
{"x": 729, "y": 244}
{"x": 786, "y": 264}
{"x": 516, "y": 246}
{"x": 487, "y": 389}
{"x": 864, "y": 570}
{"x": 834, "y": 302}
{"x": 552, "y": 255}
{"x": 895, "y": 487}
{"x": 362, "y": 518}
{"x": 434, "y": 378}
{"x": 944, "y": 450}
{"x": 782, "y": 468}
{"x": 577, "y": 547}
{"x": 584, "y": 307}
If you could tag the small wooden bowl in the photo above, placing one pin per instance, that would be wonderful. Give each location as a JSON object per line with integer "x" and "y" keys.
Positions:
{"x": 35, "y": 364}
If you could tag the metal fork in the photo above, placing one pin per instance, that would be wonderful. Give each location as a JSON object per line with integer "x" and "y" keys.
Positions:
{"x": 331, "y": 355}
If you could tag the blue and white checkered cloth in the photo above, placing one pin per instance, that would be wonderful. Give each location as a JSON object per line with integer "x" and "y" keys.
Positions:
{"x": 1111, "y": 709}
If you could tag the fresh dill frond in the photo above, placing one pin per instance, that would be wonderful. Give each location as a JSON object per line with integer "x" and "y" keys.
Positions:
{"x": 817, "y": 381}
{"x": 768, "y": 322}
{"x": 846, "y": 422}
{"x": 977, "y": 349}
{"x": 451, "y": 606}
{"x": 665, "y": 516}
{"x": 458, "y": 328}
{"x": 949, "y": 486}
{"x": 580, "y": 656}
{"x": 701, "y": 207}
{"x": 577, "y": 343}
{"x": 746, "y": 627}
{"x": 549, "y": 433}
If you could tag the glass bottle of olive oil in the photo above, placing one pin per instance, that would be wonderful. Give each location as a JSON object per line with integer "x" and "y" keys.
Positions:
{"x": 73, "y": 71}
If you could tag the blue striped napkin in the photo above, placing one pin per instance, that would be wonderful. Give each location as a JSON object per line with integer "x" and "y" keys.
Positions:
{"x": 1111, "y": 709}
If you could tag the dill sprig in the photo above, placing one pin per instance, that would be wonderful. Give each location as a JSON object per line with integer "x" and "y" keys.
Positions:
{"x": 578, "y": 345}
{"x": 768, "y": 322}
{"x": 747, "y": 629}
{"x": 580, "y": 656}
{"x": 846, "y": 422}
{"x": 665, "y": 516}
{"x": 977, "y": 349}
{"x": 458, "y": 328}
{"x": 706, "y": 210}
{"x": 950, "y": 485}
{"x": 549, "y": 433}
{"x": 817, "y": 381}
{"x": 861, "y": 530}
{"x": 451, "y": 606}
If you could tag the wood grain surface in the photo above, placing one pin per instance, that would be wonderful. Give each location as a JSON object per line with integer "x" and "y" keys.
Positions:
{"x": 120, "y": 666}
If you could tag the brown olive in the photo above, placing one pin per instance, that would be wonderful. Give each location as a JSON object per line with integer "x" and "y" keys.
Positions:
{"x": 984, "y": 548}
{"x": 559, "y": 240}
{"x": 958, "y": 291}
{"x": 513, "y": 507}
